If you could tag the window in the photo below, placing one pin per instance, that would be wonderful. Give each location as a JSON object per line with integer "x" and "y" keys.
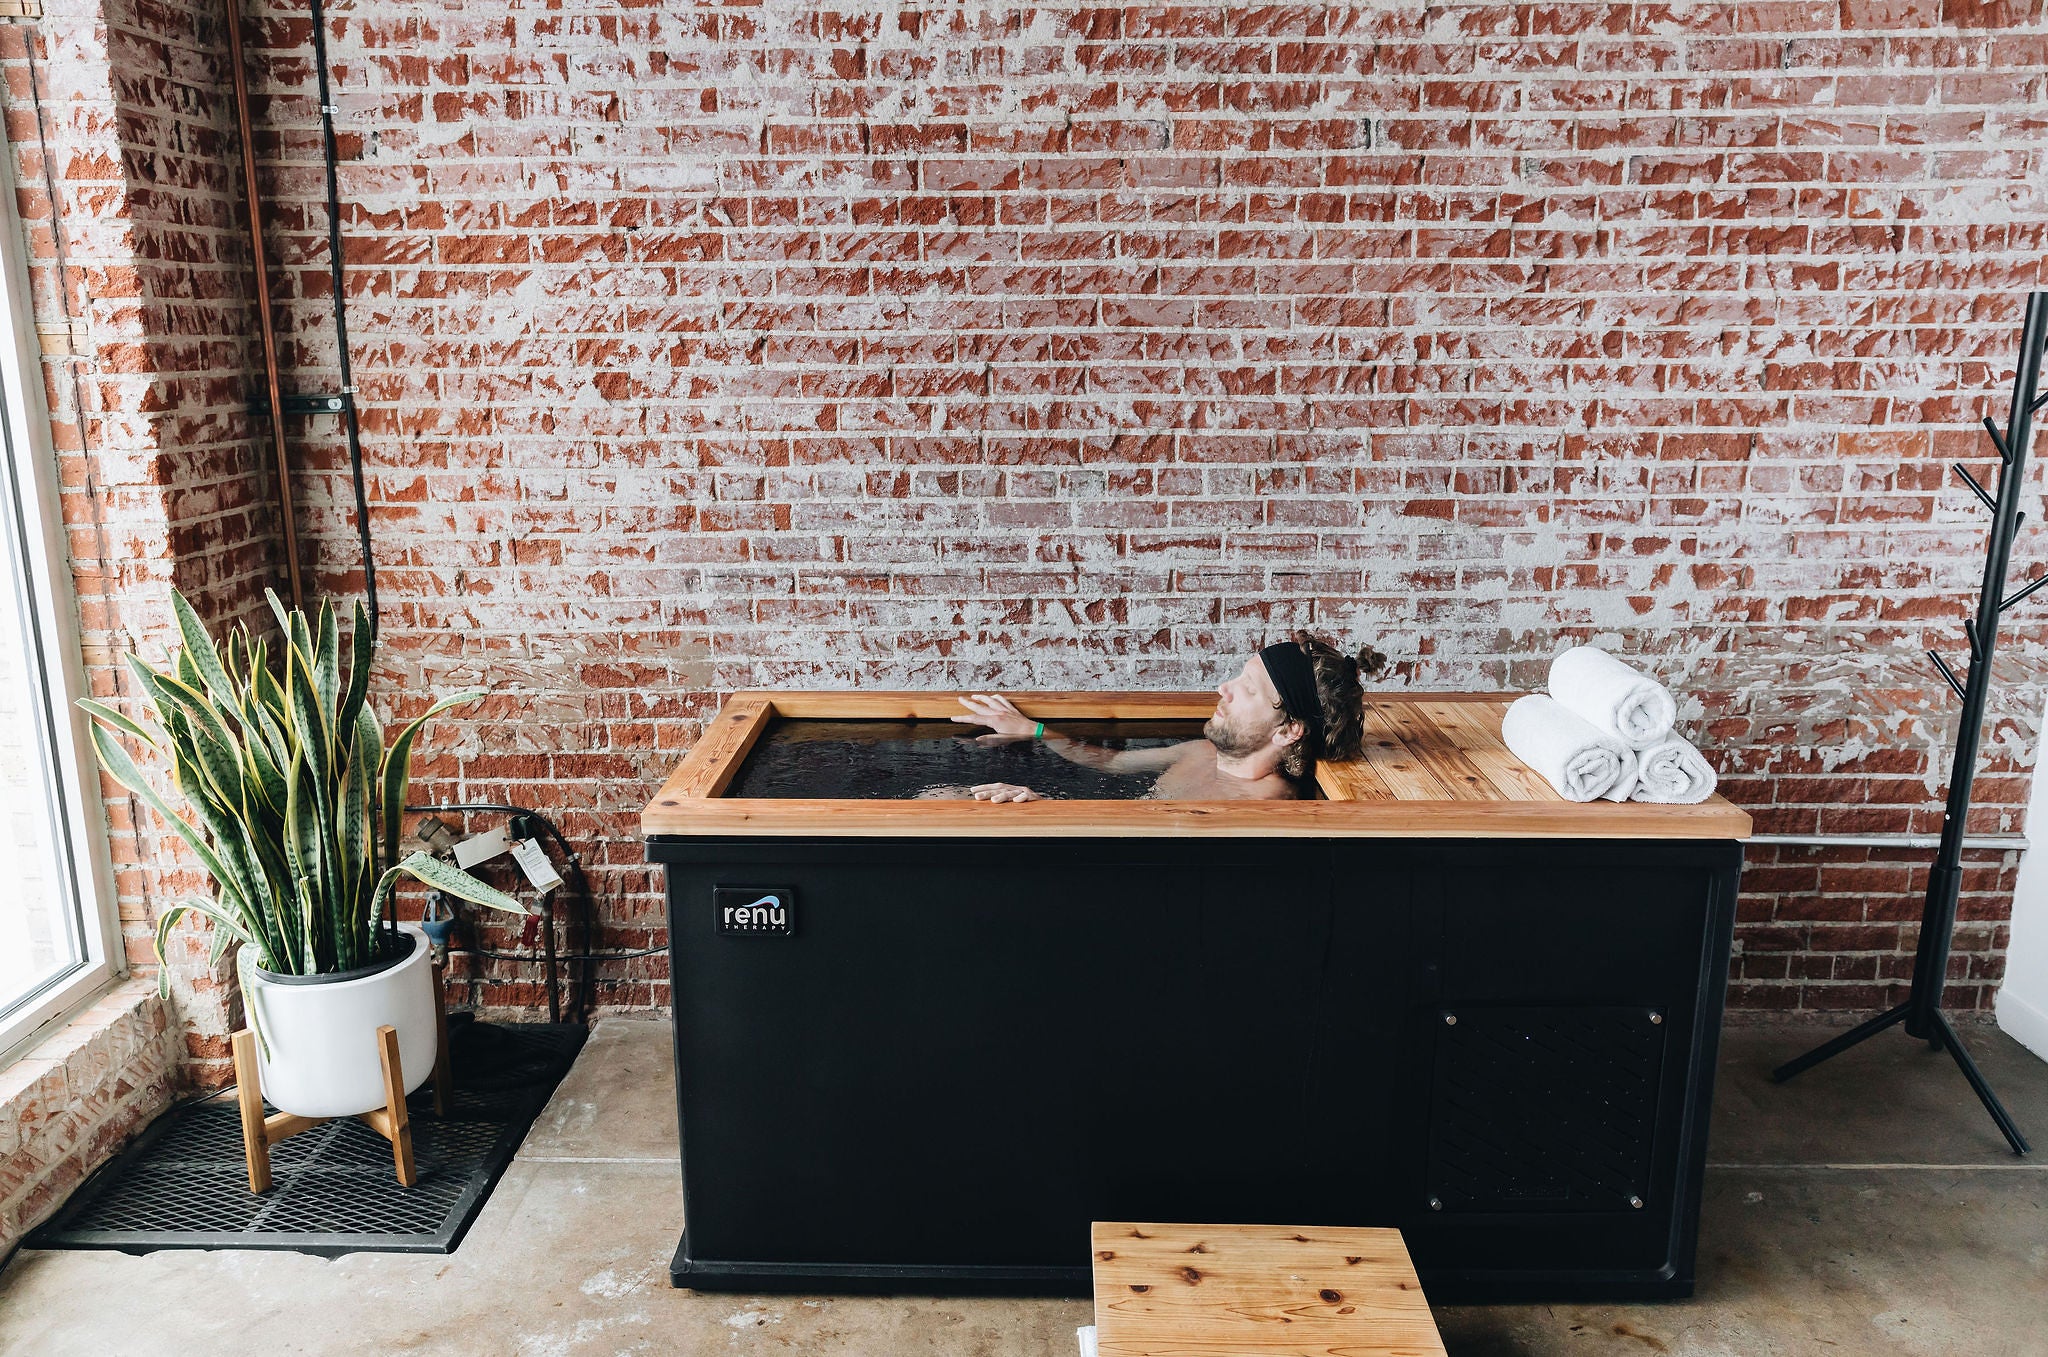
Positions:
{"x": 54, "y": 934}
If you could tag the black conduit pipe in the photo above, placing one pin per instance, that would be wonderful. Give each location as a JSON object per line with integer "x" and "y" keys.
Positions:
{"x": 350, "y": 422}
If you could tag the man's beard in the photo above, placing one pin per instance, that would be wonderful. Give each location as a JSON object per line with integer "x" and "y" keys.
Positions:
{"x": 1231, "y": 742}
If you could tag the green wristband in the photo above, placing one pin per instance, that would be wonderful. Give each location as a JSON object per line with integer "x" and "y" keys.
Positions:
{"x": 1039, "y": 734}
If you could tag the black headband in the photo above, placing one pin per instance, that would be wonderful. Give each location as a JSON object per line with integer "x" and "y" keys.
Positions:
{"x": 1294, "y": 678}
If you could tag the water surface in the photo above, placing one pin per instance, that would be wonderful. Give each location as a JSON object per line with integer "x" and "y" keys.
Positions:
{"x": 902, "y": 760}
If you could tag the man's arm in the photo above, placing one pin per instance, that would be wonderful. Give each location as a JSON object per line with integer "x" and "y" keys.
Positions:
{"x": 1115, "y": 760}
{"x": 1001, "y": 716}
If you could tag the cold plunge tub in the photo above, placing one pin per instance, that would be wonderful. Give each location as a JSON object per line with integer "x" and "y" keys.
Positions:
{"x": 1440, "y": 998}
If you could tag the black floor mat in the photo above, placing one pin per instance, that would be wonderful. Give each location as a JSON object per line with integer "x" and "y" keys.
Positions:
{"x": 183, "y": 1184}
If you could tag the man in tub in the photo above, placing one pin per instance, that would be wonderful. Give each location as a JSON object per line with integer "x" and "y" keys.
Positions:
{"x": 1291, "y": 704}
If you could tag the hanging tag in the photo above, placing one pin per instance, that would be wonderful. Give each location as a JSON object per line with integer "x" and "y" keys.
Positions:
{"x": 533, "y": 860}
{"x": 481, "y": 847}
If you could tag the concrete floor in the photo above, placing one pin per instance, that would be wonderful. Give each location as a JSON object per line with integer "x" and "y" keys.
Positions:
{"x": 1868, "y": 1208}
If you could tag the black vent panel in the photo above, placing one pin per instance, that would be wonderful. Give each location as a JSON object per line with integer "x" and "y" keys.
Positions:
{"x": 1544, "y": 1109}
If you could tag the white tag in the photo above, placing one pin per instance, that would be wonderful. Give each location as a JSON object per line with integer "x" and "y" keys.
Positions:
{"x": 482, "y": 847}
{"x": 533, "y": 860}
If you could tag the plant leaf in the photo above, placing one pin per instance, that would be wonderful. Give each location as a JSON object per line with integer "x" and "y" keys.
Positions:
{"x": 309, "y": 719}
{"x": 123, "y": 770}
{"x": 327, "y": 668}
{"x": 357, "y": 842}
{"x": 219, "y": 762}
{"x": 100, "y": 711}
{"x": 168, "y": 920}
{"x": 222, "y": 826}
{"x": 312, "y": 926}
{"x": 233, "y": 651}
{"x": 200, "y": 650}
{"x": 362, "y": 653}
{"x": 301, "y": 638}
{"x": 442, "y": 875}
{"x": 277, "y": 610}
{"x": 270, "y": 695}
{"x": 175, "y": 694}
{"x": 312, "y": 723}
{"x": 265, "y": 778}
{"x": 252, "y": 997}
{"x": 298, "y": 850}
{"x": 397, "y": 770}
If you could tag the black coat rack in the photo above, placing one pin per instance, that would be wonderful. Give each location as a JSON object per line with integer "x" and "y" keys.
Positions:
{"x": 1922, "y": 1010}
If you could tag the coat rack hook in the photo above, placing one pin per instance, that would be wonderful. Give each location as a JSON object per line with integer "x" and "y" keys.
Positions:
{"x": 1997, "y": 440}
{"x": 1978, "y": 490}
{"x": 1946, "y": 672}
{"x": 1976, "y": 645}
{"x": 2031, "y": 586}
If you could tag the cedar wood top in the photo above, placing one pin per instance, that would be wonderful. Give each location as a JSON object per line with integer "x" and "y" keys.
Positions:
{"x": 1432, "y": 766}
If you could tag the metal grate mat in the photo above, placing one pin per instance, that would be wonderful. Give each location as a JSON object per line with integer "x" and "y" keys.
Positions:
{"x": 183, "y": 1183}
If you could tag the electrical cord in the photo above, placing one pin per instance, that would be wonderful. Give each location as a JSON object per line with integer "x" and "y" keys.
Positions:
{"x": 580, "y": 997}
{"x": 574, "y": 858}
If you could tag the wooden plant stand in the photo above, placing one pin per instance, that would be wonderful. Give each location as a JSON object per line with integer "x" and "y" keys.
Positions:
{"x": 390, "y": 1121}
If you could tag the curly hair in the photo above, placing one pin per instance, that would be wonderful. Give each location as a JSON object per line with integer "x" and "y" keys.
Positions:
{"x": 1342, "y": 697}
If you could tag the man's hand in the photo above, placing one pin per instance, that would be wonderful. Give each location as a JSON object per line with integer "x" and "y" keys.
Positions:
{"x": 1002, "y": 791}
{"x": 999, "y": 714}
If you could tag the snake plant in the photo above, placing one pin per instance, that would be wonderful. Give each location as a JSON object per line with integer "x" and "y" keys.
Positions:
{"x": 298, "y": 800}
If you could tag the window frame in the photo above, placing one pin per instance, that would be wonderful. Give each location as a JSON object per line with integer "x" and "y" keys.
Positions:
{"x": 28, "y": 457}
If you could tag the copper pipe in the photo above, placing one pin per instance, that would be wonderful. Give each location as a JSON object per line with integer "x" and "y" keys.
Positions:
{"x": 255, "y": 199}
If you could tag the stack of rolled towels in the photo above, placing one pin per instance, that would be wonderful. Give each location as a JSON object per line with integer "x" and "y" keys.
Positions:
{"x": 1605, "y": 732}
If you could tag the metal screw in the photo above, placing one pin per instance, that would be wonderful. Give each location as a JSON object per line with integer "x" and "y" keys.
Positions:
{"x": 1656, "y": 1018}
{"x": 1436, "y": 1203}
{"x": 1450, "y": 1020}
{"x": 1636, "y": 1202}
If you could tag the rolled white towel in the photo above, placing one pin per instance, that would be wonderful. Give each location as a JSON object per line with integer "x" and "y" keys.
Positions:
{"x": 1578, "y": 758}
{"x": 1613, "y": 696}
{"x": 1673, "y": 772}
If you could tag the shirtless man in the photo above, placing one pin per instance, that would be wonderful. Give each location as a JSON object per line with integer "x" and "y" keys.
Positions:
{"x": 1291, "y": 704}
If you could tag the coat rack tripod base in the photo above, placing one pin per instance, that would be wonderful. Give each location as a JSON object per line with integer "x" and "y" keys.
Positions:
{"x": 1941, "y": 1035}
{"x": 1921, "y": 1013}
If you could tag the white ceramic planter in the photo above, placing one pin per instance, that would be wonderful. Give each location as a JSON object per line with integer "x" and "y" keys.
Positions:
{"x": 322, "y": 1037}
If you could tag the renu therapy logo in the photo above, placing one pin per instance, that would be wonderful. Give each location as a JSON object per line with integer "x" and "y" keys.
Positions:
{"x": 755, "y": 910}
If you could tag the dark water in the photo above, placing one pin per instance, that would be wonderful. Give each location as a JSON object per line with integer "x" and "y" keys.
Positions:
{"x": 900, "y": 760}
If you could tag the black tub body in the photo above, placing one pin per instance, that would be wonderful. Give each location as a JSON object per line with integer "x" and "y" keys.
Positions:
{"x": 962, "y": 1051}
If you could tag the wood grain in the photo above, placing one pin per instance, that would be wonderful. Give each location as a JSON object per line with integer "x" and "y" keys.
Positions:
{"x": 284, "y": 1125}
{"x": 709, "y": 768}
{"x": 1394, "y": 763}
{"x": 1257, "y": 1291}
{"x": 397, "y": 1127}
{"x": 249, "y": 1095}
{"x": 1432, "y": 766}
{"x": 794, "y": 818}
{"x": 1433, "y": 749}
{"x": 1351, "y": 780}
{"x": 1476, "y": 727}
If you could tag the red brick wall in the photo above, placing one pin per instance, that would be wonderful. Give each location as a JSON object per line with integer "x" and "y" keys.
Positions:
{"x": 124, "y": 179}
{"x": 710, "y": 345}
{"x": 72, "y": 1100}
